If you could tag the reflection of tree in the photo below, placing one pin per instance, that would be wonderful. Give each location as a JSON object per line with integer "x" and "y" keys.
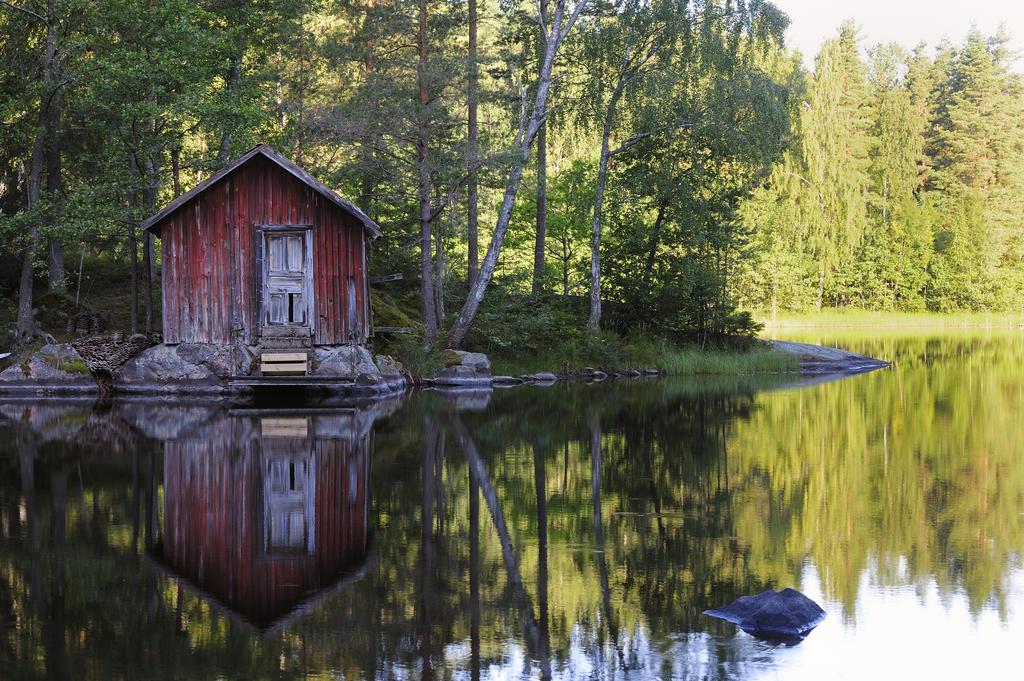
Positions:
{"x": 531, "y": 626}
{"x": 616, "y": 513}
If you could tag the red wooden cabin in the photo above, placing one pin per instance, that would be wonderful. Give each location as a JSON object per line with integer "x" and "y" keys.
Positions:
{"x": 262, "y": 250}
{"x": 265, "y": 516}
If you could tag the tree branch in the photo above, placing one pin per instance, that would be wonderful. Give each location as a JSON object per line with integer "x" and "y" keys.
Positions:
{"x": 641, "y": 136}
{"x": 34, "y": 15}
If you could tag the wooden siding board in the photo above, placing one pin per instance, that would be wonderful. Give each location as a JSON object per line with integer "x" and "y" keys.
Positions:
{"x": 338, "y": 271}
{"x": 180, "y": 279}
{"x": 361, "y": 281}
{"x": 224, "y": 253}
{"x": 214, "y": 249}
{"x": 341, "y": 274}
{"x": 326, "y": 261}
{"x": 319, "y": 280}
{"x": 167, "y": 287}
{"x": 206, "y": 333}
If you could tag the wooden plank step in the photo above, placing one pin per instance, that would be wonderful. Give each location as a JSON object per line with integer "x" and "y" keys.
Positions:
{"x": 283, "y": 357}
{"x": 284, "y": 344}
{"x": 292, "y": 368}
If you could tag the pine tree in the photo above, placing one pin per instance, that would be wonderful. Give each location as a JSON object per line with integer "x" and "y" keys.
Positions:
{"x": 977, "y": 159}
{"x": 894, "y": 256}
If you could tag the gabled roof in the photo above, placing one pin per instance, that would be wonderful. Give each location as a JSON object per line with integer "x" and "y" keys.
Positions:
{"x": 372, "y": 227}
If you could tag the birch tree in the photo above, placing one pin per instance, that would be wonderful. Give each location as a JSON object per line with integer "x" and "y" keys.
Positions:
{"x": 554, "y": 31}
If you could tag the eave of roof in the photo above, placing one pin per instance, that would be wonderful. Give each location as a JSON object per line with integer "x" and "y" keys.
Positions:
{"x": 372, "y": 227}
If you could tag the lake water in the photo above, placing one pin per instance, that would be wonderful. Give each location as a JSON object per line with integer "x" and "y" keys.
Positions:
{"x": 568, "y": 532}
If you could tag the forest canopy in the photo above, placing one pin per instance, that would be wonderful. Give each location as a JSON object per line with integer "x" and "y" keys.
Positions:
{"x": 638, "y": 166}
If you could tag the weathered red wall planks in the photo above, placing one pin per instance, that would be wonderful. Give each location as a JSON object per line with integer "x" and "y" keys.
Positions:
{"x": 211, "y": 279}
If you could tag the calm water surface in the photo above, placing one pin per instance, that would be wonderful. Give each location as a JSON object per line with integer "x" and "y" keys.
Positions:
{"x": 567, "y": 532}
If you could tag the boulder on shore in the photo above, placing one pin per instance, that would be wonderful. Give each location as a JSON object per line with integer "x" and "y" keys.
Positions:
{"x": 818, "y": 359}
{"x": 56, "y": 366}
{"x": 343, "y": 360}
{"x": 184, "y": 367}
{"x": 477, "y": 361}
{"x": 464, "y": 369}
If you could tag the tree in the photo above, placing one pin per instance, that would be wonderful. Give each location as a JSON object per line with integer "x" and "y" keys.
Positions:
{"x": 473, "y": 140}
{"x": 894, "y": 254}
{"x": 836, "y": 146}
{"x": 622, "y": 45}
{"x": 555, "y": 31}
{"x": 47, "y": 126}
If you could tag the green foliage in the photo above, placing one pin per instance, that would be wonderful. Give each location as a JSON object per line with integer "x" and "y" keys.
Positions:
{"x": 735, "y": 178}
{"x": 516, "y": 325}
{"x": 905, "y": 190}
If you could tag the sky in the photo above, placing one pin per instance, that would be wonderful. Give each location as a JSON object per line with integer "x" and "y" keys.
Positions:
{"x": 907, "y": 22}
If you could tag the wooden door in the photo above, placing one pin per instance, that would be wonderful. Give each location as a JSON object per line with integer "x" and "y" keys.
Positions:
{"x": 287, "y": 295}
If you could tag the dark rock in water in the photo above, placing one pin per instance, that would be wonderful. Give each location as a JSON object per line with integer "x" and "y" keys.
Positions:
{"x": 785, "y": 615}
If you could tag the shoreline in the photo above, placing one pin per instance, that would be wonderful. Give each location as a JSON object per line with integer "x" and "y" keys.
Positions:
{"x": 866, "y": 319}
{"x": 472, "y": 371}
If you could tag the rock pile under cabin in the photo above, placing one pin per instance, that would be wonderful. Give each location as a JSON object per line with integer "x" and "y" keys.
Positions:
{"x": 264, "y": 284}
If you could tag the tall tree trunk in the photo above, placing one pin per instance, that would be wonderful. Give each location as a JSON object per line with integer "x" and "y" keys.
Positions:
{"x": 539, "y": 243}
{"x": 366, "y": 155}
{"x": 133, "y": 250}
{"x": 602, "y": 560}
{"x": 234, "y": 82}
{"x": 300, "y": 133}
{"x": 652, "y": 246}
{"x": 149, "y": 243}
{"x": 55, "y": 249}
{"x": 821, "y": 287}
{"x": 594, "y": 323}
{"x": 531, "y": 627}
{"x": 428, "y": 306}
{"x": 53, "y": 625}
{"x": 424, "y": 600}
{"x": 25, "y": 325}
{"x": 473, "y": 265}
{"x": 556, "y": 34}
{"x": 26, "y": 319}
{"x": 566, "y": 256}
{"x": 439, "y": 269}
{"x": 176, "y": 170}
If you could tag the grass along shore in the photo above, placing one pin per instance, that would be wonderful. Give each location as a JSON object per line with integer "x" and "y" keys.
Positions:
{"x": 838, "y": 318}
{"x": 610, "y": 353}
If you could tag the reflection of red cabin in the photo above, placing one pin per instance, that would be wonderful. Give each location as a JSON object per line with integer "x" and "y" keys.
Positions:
{"x": 262, "y": 514}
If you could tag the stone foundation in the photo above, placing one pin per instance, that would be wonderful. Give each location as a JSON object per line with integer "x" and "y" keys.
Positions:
{"x": 52, "y": 369}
